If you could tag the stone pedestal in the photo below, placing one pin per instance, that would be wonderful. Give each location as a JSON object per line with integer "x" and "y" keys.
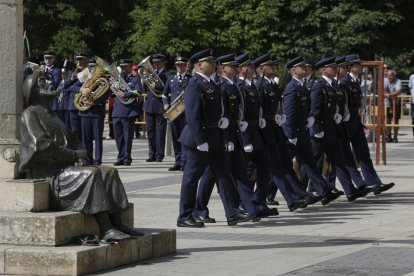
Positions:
{"x": 11, "y": 77}
{"x": 41, "y": 242}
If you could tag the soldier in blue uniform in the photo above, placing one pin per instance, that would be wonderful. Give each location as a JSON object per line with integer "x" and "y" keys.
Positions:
{"x": 350, "y": 84}
{"x": 155, "y": 122}
{"x": 233, "y": 103}
{"x": 271, "y": 104}
{"x": 174, "y": 88}
{"x": 79, "y": 76}
{"x": 124, "y": 115}
{"x": 137, "y": 83}
{"x": 327, "y": 133}
{"x": 298, "y": 121}
{"x": 204, "y": 143}
{"x": 52, "y": 73}
{"x": 63, "y": 99}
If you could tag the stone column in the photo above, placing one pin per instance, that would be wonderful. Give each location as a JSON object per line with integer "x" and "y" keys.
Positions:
{"x": 11, "y": 78}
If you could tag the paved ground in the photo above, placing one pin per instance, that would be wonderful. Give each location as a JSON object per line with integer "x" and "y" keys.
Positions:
{"x": 371, "y": 236}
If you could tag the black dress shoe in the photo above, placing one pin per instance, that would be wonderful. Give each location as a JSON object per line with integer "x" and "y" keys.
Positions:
{"x": 383, "y": 187}
{"x": 190, "y": 223}
{"x": 368, "y": 188}
{"x": 311, "y": 199}
{"x": 234, "y": 220}
{"x": 127, "y": 164}
{"x": 174, "y": 168}
{"x": 357, "y": 194}
{"x": 271, "y": 201}
{"x": 151, "y": 159}
{"x": 158, "y": 160}
{"x": 336, "y": 191}
{"x": 204, "y": 219}
{"x": 268, "y": 213}
{"x": 118, "y": 163}
{"x": 297, "y": 204}
{"x": 329, "y": 197}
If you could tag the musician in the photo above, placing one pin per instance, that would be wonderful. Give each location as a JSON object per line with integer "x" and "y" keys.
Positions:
{"x": 124, "y": 115}
{"x": 79, "y": 76}
{"x": 155, "y": 122}
{"x": 92, "y": 120}
{"x": 174, "y": 88}
{"x": 52, "y": 73}
{"x": 350, "y": 84}
{"x": 63, "y": 98}
{"x": 298, "y": 120}
{"x": 136, "y": 84}
{"x": 204, "y": 143}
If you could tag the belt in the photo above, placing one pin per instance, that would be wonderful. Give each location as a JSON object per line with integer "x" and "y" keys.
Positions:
{"x": 211, "y": 125}
{"x": 233, "y": 123}
{"x": 253, "y": 122}
{"x": 269, "y": 117}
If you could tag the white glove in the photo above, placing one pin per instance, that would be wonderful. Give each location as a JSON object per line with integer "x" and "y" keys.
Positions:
{"x": 248, "y": 148}
{"x": 311, "y": 121}
{"x": 280, "y": 119}
{"x": 320, "y": 135}
{"x": 293, "y": 141}
{"x": 243, "y": 126}
{"x": 338, "y": 118}
{"x": 203, "y": 147}
{"x": 262, "y": 123}
{"x": 230, "y": 146}
{"x": 346, "y": 117}
{"x": 223, "y": 123}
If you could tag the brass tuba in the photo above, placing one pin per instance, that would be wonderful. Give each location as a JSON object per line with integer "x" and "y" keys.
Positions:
{"x": 117, "y": 83}
{"x": 149, "y": 76}
{"x": 98, "y": 85}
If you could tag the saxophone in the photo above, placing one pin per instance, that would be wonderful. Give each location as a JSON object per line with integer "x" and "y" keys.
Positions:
{"x": 98, "y": 85}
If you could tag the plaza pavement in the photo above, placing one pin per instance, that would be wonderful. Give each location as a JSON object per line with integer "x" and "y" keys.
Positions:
{"x": 371, "y": 236}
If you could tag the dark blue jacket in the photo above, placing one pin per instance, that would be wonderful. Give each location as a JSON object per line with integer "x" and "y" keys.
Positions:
{"x": 154, "y": 104}
{"x": 323, "y": 106}
{"x": 173, "y": 87}
{"x": 53, "y": 74}
{"x": 231, "y": 102}
{"x": 202, "y": 100}
{"x": 296, "y": 106}
{"x": 354, "y": 97}
{"x": 270, "y": 98}
{"x": 122, "y": 110}
{"x": 251, "y": 115}
{"x": 73, "y": 90}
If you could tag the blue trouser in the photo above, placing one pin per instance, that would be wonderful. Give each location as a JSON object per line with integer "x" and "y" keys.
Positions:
{"x": 195, "y": 166}
{"x": 350, "y": 166}
{"x": 177, "y": 127}
{"x": 244, "y": 191}
{"x": 74, "y": 123}
{"x": 360, "y": 147}
{"x": 331, "y": 145}
{"x": 124, "y": 134}
{"x": 303, "y": 153}
{"x": 92, "y": 129}
{"x": 156, "y": 128}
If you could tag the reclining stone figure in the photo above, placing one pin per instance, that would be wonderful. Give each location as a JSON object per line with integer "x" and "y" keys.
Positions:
{"x": 50, "y": 152}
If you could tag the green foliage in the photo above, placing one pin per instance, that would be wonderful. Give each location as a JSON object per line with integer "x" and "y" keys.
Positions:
{"x": 314, "y": 28}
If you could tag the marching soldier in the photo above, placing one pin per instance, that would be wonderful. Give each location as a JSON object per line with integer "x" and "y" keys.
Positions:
{"x": 271, "y": 105}
{"x": 298, "y": 121}
{"x": 233, "y": 103}
{"x": 124, "y": 115}
{"x": 204, "y": 143}
{"x": 155, "y": 122}
{"x": 350, "y": 84}
{"x": 327, "y": 133}
{"x": 173, "y": 89}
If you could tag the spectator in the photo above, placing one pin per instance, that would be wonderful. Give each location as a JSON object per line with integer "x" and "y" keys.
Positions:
{"x": 392, "y": 90}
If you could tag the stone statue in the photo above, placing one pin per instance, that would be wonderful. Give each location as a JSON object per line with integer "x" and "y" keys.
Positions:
{"x": 49, "y": 152}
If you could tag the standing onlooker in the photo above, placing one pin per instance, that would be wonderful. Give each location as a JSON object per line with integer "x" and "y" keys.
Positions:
{"x": 392, "y": 89}
{"x": 411, "y": 86}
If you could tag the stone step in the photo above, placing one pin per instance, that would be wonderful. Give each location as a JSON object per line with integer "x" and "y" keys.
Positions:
{"x": 50, "y": 228}
{"x": 77, "y": 259}
{"x": 24, "y": 195}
